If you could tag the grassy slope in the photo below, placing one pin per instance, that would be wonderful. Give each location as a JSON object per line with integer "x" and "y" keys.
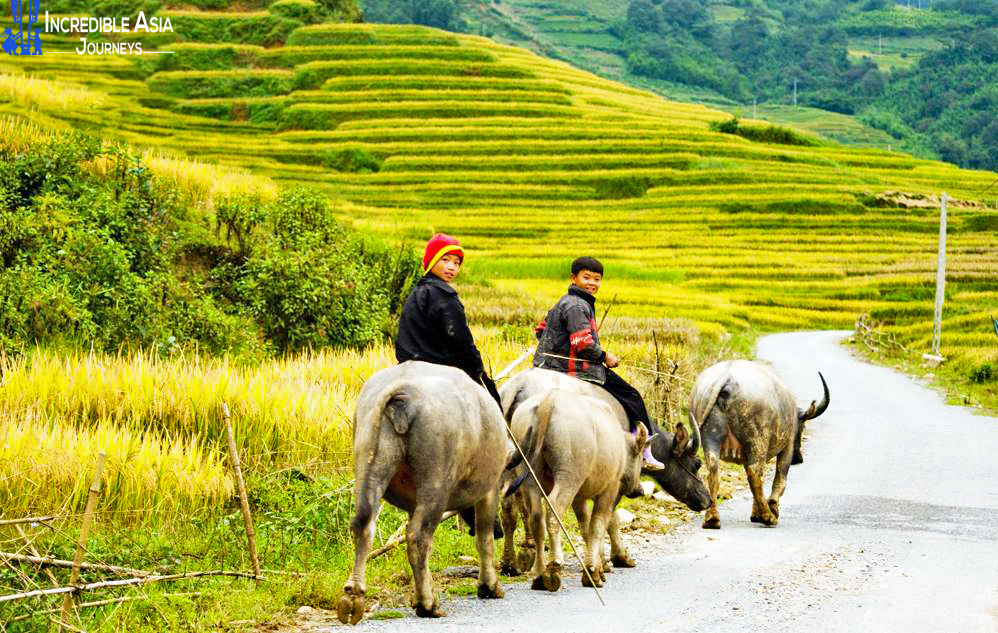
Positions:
{"x": 495, "y": 144}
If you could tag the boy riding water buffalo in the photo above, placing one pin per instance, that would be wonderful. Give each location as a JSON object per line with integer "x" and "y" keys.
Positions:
{"x": 568, "y": 341}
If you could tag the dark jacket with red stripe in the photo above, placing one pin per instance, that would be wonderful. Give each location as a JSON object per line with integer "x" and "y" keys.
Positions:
{"x": 433, "y": 328}
{"x": 570, "y": 331}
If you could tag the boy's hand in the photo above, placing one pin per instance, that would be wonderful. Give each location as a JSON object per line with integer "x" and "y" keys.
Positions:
{"x": 611, "y": 360}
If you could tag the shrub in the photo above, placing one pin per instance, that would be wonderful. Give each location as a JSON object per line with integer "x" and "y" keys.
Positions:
{"x": 353, "y": 160}
{"x": 769, "y": 134}
{"x": 983, "y": 373}
{"x": 305, "y": 11}
{"x": 260, "y": 28}
{"x": 222, "y": 83}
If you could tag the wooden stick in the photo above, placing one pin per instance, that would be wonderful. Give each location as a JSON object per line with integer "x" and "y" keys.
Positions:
{"x": 27, "y": 520}
{"x": 399, "y": 537}
{"x": 55, "y": 562}
{"x": 81, "y": 545}
{"x": 124, "y": 583}
{"x": 244, "y": 502}
{"x": 101, "y": 603}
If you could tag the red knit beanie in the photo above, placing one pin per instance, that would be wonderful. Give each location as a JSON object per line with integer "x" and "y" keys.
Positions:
{"x": 438, "y": 246}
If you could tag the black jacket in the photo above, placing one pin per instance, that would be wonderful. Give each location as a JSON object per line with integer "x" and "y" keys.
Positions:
{"x": 570, "y": 332}
{"x": 433, "y": 328}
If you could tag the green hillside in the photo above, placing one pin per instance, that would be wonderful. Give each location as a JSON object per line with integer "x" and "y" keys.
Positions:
{"x": 531, "y": 162}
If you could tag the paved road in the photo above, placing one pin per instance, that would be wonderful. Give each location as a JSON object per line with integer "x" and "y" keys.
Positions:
{"x": 891, "y": 524}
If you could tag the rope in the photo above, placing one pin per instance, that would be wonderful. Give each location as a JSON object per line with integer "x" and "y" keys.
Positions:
{"x": 631, "y": 365}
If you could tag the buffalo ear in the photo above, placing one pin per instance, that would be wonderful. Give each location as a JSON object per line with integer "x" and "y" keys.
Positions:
{"x": 681, "y": 440}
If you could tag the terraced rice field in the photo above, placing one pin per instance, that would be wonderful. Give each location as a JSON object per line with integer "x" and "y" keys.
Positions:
{"x": 532, "y": 162}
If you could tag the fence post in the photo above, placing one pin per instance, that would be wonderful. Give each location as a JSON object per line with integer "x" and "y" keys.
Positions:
{"x": 937, "y": 326}
{"x": 81, "y": 545}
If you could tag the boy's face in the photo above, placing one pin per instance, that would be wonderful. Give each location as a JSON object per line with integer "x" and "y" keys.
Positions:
{"x": 587, "y": 280}
{"x": 447, "y": 267}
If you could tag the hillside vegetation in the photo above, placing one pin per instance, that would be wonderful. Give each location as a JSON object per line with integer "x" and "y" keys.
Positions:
{"x": 867, "y": 58}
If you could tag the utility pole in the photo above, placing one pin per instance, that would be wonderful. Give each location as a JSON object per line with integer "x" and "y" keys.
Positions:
{"x": 937, "y": 326}
{"x": 795, "y": 92}
{"x": 755, "y": 111}
{"x": 880, "y": 43}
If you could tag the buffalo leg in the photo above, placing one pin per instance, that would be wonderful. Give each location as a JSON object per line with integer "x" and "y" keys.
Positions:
{"x": 419, "y": 542}
{"x": 760, "y": 509}
{"x": 552, "y": 572}
{"x": 370, "y": 489}
{"x": 618, "y": 551}
{"x": 535, "y": 514}
{"x": 711, "y": 518}
{"x": 507, "y": 565}
{"x": 485, "y": 516}
{"x": 783, "y": 461}
{"x": 602, "y": 507}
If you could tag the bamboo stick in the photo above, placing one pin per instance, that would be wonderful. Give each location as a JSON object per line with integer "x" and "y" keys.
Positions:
{"x": 399, "y": 537}
{"x": 27, "y": 520}
{"x": 123, "y": 583}
{"x": 31, "y": 548}
{"x": 81, "y": 545}
{"x": 56, "y": 562}
{"x": 101, "y": 603}
{"x": 243, "y": 501}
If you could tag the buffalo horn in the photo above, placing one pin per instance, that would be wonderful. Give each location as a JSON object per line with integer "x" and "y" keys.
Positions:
{"x": 816, "y": 410}
{"x": 695, "y": 427}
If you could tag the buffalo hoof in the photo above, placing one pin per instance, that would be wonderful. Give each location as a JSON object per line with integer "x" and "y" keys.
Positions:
{"x": 433, "y": 611}
{"x": 509, "y": 569}
{"x": 350, "y": 609}
{"x": 538, "y": 584}
{"x": 525, "y": 558}
{"x": 552, "y": 577}
{"x": 596, "y": 575}
{"x": 766, "y": 519}
{"x": 490, "y": 593}
{"x": 712, "y": 523}
{"x": 623, "y": 560}
{"x": 774, "y": 507}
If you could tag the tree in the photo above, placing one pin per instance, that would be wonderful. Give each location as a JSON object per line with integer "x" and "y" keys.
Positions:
{"x": 643, "y": 16}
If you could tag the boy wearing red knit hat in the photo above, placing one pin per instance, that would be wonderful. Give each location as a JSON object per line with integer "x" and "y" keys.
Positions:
{"x": 433, "y": 327}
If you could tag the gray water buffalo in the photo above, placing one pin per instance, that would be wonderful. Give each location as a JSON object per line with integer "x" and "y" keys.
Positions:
{"x": 580, "y": 454}
{"x": 427, "y": 439}
{"x": 678, "y": 451}
{"x": 747, "y": 416}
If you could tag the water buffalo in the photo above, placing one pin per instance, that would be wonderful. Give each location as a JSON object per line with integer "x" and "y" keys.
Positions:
{"x": 580, "y": 453}
{"x": 748, "y": 416}
{"x": 678, "y": 451}
{"x": 427, "y": 439}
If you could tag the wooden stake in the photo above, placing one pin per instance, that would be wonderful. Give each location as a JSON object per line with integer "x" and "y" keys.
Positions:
{"x": 81, "y": 545}
{"x": 244, "y": 502}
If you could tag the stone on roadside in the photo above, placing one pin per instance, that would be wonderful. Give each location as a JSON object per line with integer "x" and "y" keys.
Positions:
{"x": 626, "y": 517}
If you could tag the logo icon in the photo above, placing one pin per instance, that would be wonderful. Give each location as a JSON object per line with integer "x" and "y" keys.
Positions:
{"x": 29, "y": 43}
